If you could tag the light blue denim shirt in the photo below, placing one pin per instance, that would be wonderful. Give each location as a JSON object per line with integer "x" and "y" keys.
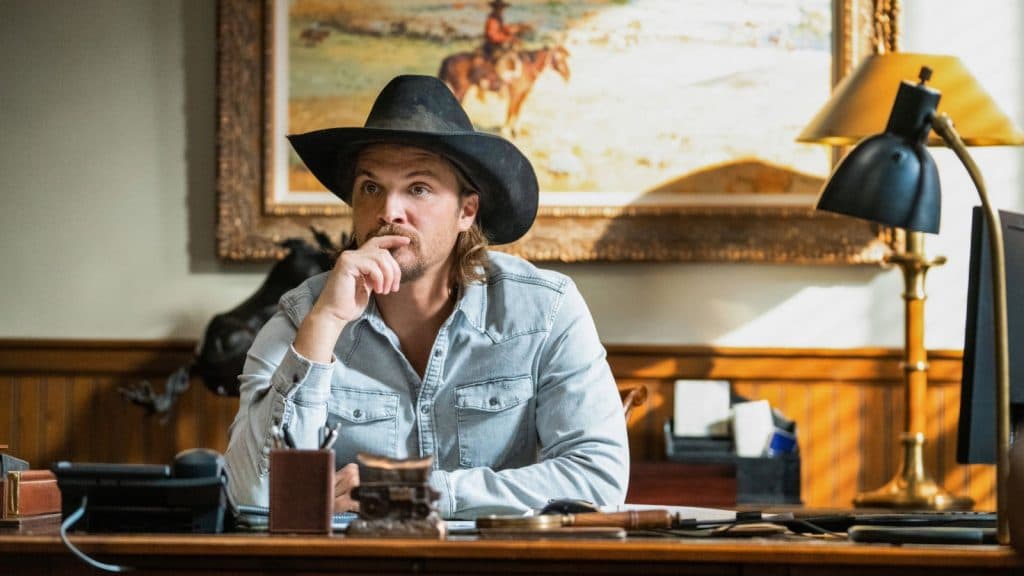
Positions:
{"x": 517, "y": 404}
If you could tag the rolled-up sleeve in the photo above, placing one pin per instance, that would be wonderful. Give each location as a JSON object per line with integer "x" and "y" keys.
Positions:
{"x": 278, "y": 387}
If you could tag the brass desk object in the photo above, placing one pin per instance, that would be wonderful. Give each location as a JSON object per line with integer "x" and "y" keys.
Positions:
{"x": 629, "y": 520}
{"x": 912, "y": 487}
{"x": 585, "y": 525}
{"x": 876, "y": 184}
{"x": 395, "y": 500}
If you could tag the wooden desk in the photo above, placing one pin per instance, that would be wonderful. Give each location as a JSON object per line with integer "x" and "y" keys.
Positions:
{"x": 44, "y": 553}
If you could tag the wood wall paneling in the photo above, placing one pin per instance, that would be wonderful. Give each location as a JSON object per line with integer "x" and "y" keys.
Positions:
{"x": 59, "y": 400}
{"x": 848, "y": 405}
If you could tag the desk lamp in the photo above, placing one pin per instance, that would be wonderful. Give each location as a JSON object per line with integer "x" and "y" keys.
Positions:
{"x": 890, "y": 178}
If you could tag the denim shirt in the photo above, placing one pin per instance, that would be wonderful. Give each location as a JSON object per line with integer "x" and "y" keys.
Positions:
{"x": 517, "y": 404}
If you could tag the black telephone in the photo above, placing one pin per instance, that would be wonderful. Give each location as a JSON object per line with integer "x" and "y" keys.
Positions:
{"x": 188, "y": 496}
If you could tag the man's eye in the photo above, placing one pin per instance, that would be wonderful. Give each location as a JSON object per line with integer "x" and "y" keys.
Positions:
{"x": 419, "y": 190}
{"x": 369, "y": 188}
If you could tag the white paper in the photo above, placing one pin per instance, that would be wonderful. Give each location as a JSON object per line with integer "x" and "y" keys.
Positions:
{"x": 752, "y": 427}
{"x": 701, "y": 408}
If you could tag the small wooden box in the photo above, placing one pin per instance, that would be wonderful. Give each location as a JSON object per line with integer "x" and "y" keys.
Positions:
{"x": 301, "y": 491}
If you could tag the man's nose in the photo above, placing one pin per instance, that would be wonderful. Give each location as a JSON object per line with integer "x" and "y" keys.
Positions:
{"x": 392, "y": 210}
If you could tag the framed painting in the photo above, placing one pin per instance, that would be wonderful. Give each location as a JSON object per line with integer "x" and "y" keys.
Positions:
{"x": 660, "y": 130}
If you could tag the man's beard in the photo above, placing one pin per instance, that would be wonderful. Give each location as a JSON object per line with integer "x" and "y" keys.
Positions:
{"x": 412, "y": 271}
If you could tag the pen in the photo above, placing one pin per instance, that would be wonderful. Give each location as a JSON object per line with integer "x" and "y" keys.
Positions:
{"x": 288, "y": 440}
{"x": 275, "y": 433}
{"x": 330, "y": 437}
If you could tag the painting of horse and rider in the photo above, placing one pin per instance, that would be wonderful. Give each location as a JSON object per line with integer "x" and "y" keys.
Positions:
{"x": 612, "y": 100}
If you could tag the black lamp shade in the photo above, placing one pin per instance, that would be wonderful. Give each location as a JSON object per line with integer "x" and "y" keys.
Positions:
{"x": 890, "y": 178}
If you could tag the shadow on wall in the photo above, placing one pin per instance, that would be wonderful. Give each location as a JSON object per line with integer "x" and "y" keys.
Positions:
{"x": 737, "y": 303}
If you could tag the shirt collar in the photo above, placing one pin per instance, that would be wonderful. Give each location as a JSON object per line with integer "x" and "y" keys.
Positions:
{"x": 472, "y": 303}
{"x": 372, "y": 316}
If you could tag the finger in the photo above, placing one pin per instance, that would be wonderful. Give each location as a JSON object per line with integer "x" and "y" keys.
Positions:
{"x": 371, "y": 272}
{"x": 353, "y": 263}
{"x": 387, "y": 267}
{"x": 343, "y": 504}
{"x": 389, "y": 241}
{"x": 347, "y": 475}
{"x": 390, "y": 268}
{"x": 346, "y": 479}
{"x": 342, "y": 487}
{"x": 352, "y": 470}
{"x": 397, "y": 275}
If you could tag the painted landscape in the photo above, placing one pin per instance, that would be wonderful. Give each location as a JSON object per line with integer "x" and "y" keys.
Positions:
{"x": 665, "y": 101}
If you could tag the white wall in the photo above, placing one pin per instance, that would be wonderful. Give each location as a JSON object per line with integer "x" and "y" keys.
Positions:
{"x": 107, "y": 181}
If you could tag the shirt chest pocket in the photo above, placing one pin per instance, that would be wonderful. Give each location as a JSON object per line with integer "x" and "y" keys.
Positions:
{"x": 495, "y": 423}
{"x": 368, "y": 422}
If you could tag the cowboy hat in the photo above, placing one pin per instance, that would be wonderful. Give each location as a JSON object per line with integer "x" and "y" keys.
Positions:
{"x": 421, "y": 111}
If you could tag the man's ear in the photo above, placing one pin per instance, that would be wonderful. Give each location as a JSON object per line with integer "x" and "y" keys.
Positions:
{"x": 470, "y": 206}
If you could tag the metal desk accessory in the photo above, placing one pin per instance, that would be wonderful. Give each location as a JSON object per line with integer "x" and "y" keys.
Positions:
{"x": 395, "y": 500}
{"x": 582, "y": 525}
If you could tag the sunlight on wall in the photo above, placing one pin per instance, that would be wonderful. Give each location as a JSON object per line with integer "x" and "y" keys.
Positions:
{"x": 810, "y": 316}
{"x": 986, "y": 36}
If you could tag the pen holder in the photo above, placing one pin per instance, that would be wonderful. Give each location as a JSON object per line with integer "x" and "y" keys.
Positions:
{"x": 301, "y": 491}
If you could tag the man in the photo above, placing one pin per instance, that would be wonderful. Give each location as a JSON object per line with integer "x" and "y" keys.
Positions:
{"x": 499, "y": 36}
{"x": 420, "y": 342}
{"x": 496, "y": 60}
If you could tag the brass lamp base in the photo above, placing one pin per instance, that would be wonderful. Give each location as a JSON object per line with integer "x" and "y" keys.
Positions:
{"x": 912, "y": 488}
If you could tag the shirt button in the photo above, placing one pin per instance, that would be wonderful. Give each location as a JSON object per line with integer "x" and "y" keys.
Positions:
{"x": 493, "y": 401}
{"x": 425, "y": 409}
{"x": 438, "y": 352}
{"x": 357, "y": 413}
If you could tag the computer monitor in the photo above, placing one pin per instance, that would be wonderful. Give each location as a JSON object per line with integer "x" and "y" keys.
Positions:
{"x": 976, "y": 441}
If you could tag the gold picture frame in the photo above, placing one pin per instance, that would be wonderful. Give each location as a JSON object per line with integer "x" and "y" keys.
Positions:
{"x": 251, "y": 226}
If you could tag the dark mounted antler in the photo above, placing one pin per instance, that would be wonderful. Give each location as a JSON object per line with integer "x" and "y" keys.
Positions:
{"x": 154, "y": 402}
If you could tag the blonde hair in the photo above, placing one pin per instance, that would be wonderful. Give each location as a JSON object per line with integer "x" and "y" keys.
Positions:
{"x": 471, "y": 258}
{"x": 470, "y": 250}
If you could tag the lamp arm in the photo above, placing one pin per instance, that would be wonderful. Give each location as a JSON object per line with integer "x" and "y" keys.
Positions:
{"x": 943, "y": 126}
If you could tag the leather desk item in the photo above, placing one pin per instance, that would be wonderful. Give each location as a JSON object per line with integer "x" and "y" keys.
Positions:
{"x": 301, "y": 491}
{"x": 28, "y": 493}
{"x": 629, "y": 520}
{"x": 36, "y": 521}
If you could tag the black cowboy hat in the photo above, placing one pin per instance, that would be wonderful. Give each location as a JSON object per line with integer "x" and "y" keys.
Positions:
{"x": 421, "y": 111}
